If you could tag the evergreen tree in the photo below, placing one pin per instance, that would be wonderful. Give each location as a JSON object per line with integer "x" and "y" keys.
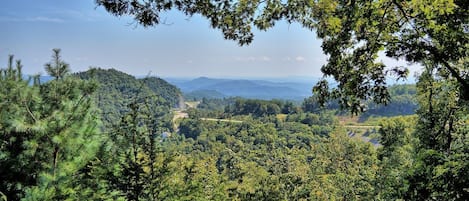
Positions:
{"x": 57, "y": 68}
{"x": 49, "y": 134}
{"x": 19, "y": 126}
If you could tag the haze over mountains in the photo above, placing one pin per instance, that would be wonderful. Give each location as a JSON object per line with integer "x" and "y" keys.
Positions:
{"x": 287, "y": 88}
{"x": 260, "y": 89}
{"x": 266, "y": 89}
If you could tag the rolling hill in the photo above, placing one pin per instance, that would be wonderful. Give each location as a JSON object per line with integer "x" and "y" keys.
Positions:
{"x": 117, "y": 90}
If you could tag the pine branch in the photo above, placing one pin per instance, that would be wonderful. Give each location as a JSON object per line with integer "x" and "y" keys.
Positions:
{"x": 29, "y": 111}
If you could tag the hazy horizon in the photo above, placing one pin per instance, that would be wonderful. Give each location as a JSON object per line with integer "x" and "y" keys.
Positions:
{"x": 278, "y": 79}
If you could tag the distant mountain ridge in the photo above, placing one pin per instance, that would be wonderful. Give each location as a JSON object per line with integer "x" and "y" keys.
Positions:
{"x": 259, "y": 89}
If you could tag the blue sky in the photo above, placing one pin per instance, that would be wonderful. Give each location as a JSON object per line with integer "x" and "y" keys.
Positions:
{"x": 188, "y": 47}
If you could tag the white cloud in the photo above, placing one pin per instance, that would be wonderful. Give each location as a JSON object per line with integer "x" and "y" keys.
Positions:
{"x": 300, "y": 59}
{"x": 31, "y": 19}
{"x": 287, "y": 59}
{"x": 253, "y": 59}
{"x": 77, "y": 15}
{"x": 294, "y": 59}
{"x": 44, "y": 19}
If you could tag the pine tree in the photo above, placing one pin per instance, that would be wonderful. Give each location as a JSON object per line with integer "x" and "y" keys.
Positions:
{"x": 49, "y": 133}
{"x": 19, "y": 123}
{"x": 57, "y": 68}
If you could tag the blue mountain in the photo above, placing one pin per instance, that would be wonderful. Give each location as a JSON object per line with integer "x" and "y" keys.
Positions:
{"x": 259, "y": 89}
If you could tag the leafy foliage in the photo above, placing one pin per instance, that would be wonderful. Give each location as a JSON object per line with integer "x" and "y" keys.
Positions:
{"x": 397, "y": 156}
{"x": 259, "y": 108}
{"x": 402, "y": 102}
{"x": 353, "y": 34}
{"x": 263, "y": 160}
{"x": 442, "y": 129}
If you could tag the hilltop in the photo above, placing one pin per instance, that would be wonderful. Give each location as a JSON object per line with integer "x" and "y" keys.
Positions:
{"x": 117, "y": 90}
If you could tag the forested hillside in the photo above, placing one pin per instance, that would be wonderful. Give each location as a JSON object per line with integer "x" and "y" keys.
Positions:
{"x": 117, "y": 90}
{"x": 403, "y": 102}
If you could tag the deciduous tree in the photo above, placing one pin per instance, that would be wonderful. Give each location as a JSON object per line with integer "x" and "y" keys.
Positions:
{"x": 354, "y": 33}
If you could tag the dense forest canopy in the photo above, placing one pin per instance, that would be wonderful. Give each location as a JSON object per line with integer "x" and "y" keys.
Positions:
{"x": 403, "y": 102}
{"x": 55, "y": 147}
{"x": 104, "y": 135}
{"x": 116, "y": 91}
